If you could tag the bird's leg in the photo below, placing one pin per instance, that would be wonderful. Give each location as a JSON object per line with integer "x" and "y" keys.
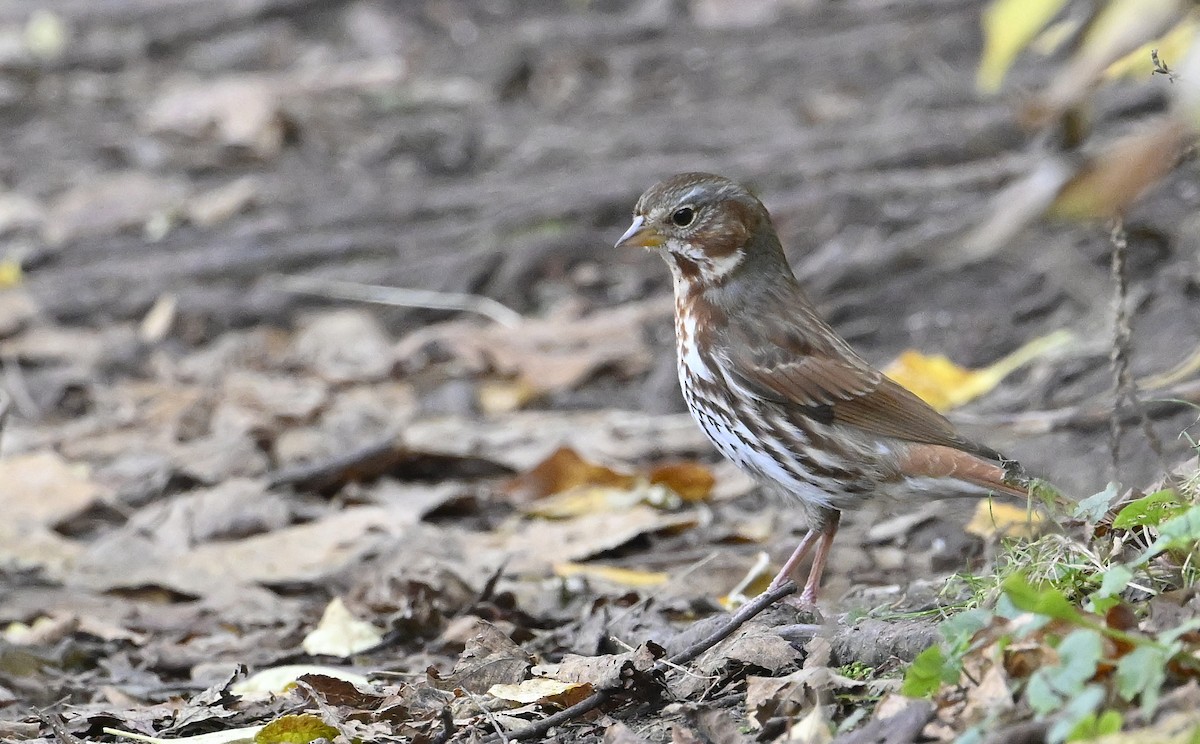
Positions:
{"x": 789, "y": 569}
{"x": 828, "y": 530}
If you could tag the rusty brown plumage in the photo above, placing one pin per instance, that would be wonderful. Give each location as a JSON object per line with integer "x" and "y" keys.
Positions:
{"x": 776, "y": 389}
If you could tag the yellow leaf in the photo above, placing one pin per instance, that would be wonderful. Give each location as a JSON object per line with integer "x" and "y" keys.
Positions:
{"x": 993, "y": 518}
{"x": 10, "y": 273}
{"x": 502, "y": 396}
{"x": 586, "y": 500}
{"x": 944, "y": 385}
{"x": 622, "y": 576}
{"x": 1122, "y": 26}
{"x": 295, "y": 729}
{"x": 1008, "y": 27}
{"x": 1171, "y": 47}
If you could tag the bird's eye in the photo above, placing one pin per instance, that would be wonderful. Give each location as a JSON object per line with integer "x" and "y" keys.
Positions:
{"x": 683, "y": 216}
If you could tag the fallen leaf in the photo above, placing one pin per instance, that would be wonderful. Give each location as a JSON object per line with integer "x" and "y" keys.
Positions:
{"x": 996, "y": 519}
{"x": 607, "y": 671}
{"x": 814, "y": 728}
{"x": 613, "y": 574}
{"x": 241, "y": 113}
{"x": 1008, "y": 28}
{"x": 1108, "y": 184}
{"x": 340, "y": 633}
{"x": 533, "y": 546}
{"x": 1172, "y": 45}
{"x": 245, "y": 734}
{"x": 277, "y": 680}
{"x": 10, "y": 273}
{"x": 1118, "y": 28}
{"x": 550, "y": 354}
{"x": 564, "y": 469}
{"x": 944, "y": 385}
{"x": 43, "y": 489}
{"x": 543, "y": 691}
{"x": 691, "y": 481}
{"x": 111, "y": 203}
{"x": 490, "y": 658}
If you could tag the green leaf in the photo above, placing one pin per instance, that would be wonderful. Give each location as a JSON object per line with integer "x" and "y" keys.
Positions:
{"x": 1094, "y": 507}
{"x": 1041, "y": 696}
{"x": 958, "y": 630}
{"x": 1079, "y": 707}
{"x": 1078, "y": 656}
{"x": 1043, "y": 600}
{"x": 1179, "y": 531}
{"x": 1149, "y": 511}
{"x": 1092, "y": 726}
{"x": 1142, "y": 672}
{"x": 926, "y": 673}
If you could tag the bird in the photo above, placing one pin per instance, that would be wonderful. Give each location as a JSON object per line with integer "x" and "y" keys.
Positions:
{"x": 777, "y": 390}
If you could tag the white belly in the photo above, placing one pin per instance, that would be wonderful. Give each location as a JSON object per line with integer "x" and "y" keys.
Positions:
{"x": 746, "y": 437}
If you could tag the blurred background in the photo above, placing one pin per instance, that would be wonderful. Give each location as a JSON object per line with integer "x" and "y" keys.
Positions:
{"x": 204, "y": 427}
{"x": 189, "y": 187}
{"x": 190, "y": 154}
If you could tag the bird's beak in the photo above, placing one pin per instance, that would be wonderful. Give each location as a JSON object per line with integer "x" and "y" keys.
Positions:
{"x": 639, "y": 235}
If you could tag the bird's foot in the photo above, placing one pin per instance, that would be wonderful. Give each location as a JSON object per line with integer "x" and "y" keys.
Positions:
{"x": 805, "y": 607}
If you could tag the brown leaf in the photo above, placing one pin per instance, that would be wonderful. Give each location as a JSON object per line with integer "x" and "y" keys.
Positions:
{"x": 606, "y": 672}
{"x": 490, "y": 658}
{"x": 562, "y": 470}
{"x": 548, "y": 354}
{"x": 43, "y": 489}
{"x": 1110, "y": 183}
{"x": 111, "y": 203}
{"x": 692, "y": 481}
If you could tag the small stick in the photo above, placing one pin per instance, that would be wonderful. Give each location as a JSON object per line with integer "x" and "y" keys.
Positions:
{"x": 400, "y": 297}
{"x": 598, "y": 698}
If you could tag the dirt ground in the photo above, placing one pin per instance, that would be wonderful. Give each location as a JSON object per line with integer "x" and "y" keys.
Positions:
{"x": 170, "y": 169}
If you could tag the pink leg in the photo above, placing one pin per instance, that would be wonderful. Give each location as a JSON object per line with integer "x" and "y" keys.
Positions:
{"x": 824, "y": 540}
{"x": 789, "y": 569}
{"x": 809, "y": 595}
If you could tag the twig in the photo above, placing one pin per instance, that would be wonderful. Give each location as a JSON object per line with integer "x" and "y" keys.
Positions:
{"x": 399, "y": 297}
{"x": 18, "y": 391}
{"x": 5, "y": 405}
{"x": 598, "y": 698}
{"x": 448, "y": 727}
{"x": 1124, "y": 386}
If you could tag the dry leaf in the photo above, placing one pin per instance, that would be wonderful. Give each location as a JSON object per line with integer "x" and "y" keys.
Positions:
{"x": 561, "y": 471}
{"x": 548, "y": 354}
{"x": 995, "y": 519}
{"x": 239, "y": 112}
{"x": 1008, "y": 28}
{"x": 691, "y": 481}
{"x": 542, "y": 691}
{"x": 1120, "y": 27}
{"x": 944, "y": 385}
{"x": 612, "y": 574}
{"x": 43, "y": 489}
{"x": 340, "y": 633}
{"x": 1171, "y": 46}
{"x": 1108, "y": 184}
{"x": 276, "y": 680}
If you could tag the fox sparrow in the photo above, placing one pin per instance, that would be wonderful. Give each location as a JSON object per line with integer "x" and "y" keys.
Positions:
{"x": 776, "y": 389}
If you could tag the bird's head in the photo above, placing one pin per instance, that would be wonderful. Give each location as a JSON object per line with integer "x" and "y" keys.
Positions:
{"x": 705, "y": 225}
